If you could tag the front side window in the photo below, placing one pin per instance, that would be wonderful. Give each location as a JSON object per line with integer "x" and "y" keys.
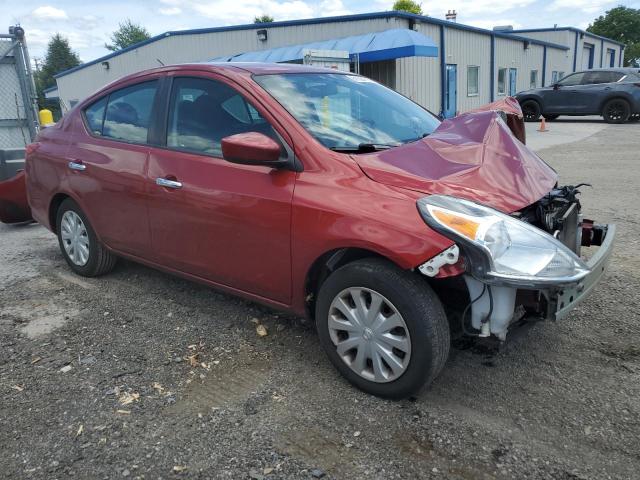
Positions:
{"x": 533, "y": 81}
{"x": 94, "y": 114}
{"x": 571, "y": 80}
{"x": 502, "y": 81}
{"x": 202, "y": 112}
{"x": 472, "y": 81}
{"x": 128, "y": 113}
{"x": 348, "y": 112}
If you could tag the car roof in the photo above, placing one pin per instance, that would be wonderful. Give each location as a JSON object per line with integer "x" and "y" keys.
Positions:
{"x": 612, "y": 69}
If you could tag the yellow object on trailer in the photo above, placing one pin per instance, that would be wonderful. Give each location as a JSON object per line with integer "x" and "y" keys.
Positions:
{"x": 46, "y": 117}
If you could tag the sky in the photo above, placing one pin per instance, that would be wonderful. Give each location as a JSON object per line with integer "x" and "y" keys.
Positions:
{"x": 88, "y": 23}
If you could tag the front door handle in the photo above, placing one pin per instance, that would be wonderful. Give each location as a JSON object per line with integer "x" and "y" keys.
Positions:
{"x": 165, "y": 182}
{"x": 74, "y": 165}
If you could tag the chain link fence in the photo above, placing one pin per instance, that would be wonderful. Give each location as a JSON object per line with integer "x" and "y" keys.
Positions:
{"x": 18, "y": 101}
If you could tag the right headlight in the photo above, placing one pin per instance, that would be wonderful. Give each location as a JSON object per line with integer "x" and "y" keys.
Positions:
{"x": 501, "y": 248}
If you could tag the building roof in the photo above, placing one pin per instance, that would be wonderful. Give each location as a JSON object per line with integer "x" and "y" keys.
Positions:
{"x": 370, "y": 47}
{"x": 572, "y": 29}
{"x": 312, "y": 21}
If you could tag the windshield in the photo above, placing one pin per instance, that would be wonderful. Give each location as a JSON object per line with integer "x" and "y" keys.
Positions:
{"x": 349, "y": 112}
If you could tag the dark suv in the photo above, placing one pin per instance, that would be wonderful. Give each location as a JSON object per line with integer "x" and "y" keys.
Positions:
{"x": 613, "y": 93}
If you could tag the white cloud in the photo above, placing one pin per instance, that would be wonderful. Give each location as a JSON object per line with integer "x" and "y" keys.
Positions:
{"x": 47, "y": 11}
{"x": 330, "y": 8}
{"x": 466, "y": 8}
{"x": 588, "y": 6}
{"x": 244, "y": 11}
{"x": 170, "y": 11}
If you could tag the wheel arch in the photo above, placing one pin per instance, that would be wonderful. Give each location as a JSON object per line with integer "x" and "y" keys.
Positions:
{"x": 54, "y": 205}
{"x": 615, "y": 96}
{"x": 327, "y": 263}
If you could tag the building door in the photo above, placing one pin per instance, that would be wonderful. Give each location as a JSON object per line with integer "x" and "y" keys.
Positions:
{"x": 513, "y": 75}
{"x": 451, "y": 91}
{"x": 612, "y": 57}
{"x": 587, "y": 56}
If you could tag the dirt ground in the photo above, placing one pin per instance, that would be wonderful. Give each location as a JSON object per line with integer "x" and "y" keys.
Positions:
{"x": 139, "y": 374}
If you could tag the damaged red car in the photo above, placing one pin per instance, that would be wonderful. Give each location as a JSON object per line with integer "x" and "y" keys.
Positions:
{"x": 325, "y": 194}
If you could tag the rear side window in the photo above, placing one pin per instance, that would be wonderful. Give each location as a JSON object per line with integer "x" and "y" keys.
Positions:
{"x": 591, "y": 78}
{"x": 202, "y": 112}
{"x": 94, "y": 114}
{"x": 128, "y": 113}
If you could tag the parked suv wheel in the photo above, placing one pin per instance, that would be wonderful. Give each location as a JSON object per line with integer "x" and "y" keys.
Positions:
{"x": 383, "y": 328}
{"x": 78, "y": 242}
{"x": 616, "y": 110}
{"x": 635, "y": 117}
{"x": 530, "y": 110}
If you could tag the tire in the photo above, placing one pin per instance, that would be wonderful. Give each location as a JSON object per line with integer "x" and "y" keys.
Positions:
{"x": 531, "y": 110}
{"x": 423, "y": 337}
{"x": 94, "y": 259}
{"x": 616, "y": 110}
{"x": 550, "y": 118}
{"x": 635, "y": 117}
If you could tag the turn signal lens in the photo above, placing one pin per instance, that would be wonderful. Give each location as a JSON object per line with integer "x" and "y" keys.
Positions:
{"x": 460, "y": 224}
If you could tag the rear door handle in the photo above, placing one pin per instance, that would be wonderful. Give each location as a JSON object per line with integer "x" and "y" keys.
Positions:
{"x": 165, "y": 182}
{"x": 75, "y": 165}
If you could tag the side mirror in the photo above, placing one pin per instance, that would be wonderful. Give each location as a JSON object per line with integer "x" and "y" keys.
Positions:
{"x": 556, "y": 86}
{"x": 252, "y": 148}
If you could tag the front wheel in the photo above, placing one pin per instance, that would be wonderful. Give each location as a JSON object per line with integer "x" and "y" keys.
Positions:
{"x": 616, "y": 110}
{"x": 79, "y": 244}
{"x": 383, "y": 328}
{"x": 530, "y": 110}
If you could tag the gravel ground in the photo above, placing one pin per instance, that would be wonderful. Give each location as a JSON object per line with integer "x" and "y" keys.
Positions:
{"x": 142, "y": 375}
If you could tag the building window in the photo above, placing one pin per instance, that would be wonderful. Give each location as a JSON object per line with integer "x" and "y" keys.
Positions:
{"x": 472, "y": 81}
{"x": 502, "y": 81}
{"x": 533, "y": 81}
{"x": 560, "y": 75}
{"x": 554, "y": 77}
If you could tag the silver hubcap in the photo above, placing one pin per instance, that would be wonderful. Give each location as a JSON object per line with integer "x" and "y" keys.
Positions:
{"x": 75, "y": 238}
{"x": 370, "y": 335}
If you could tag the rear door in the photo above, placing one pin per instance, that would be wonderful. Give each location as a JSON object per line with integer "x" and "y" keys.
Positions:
{"x": 595, "y": 88}
{"x": 224, "y": 222}
{"x": 107, "y": 165}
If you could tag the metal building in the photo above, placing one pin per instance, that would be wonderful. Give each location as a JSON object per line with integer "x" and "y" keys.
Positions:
{"x": 445, "y": 66}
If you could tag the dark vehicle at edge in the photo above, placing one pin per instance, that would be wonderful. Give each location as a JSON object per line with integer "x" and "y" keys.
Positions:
{"x": 613, "y": 93}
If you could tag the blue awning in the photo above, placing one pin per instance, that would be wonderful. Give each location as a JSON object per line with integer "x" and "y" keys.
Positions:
{"x": 371, "y": 47}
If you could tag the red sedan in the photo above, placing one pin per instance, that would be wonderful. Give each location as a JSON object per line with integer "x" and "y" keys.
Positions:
{"x": 325, "y": 194}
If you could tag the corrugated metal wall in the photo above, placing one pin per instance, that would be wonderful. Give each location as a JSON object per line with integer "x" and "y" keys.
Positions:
{"x": 558, "y": 61}
{"x": 383, "y": 72}
{"x": 464, "y": 49}
{"x": 201, "y": 47}
{"x": 419, "y": 77}
{"x": 511, "y": 54}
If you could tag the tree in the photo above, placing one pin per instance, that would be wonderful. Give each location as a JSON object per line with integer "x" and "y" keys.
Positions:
{"x": 621, "y": 24}
{"x": 263, "y": 19}
{"x": 59, "y": 57}
{"x": 408, "y": 6}
{"x": 127, "y": 34}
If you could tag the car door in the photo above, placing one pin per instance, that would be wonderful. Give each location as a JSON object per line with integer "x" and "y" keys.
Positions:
{"x": 107, "y": 163}
{"x": 224, "y": 222}
{"x": 595, "y": 88}
{"x": 560, "y": 98}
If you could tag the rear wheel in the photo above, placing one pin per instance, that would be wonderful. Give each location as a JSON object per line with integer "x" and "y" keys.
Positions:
{"x": 530, "y": 110}
{"x": 616, "y": 110}
{"x": 383, "y": 328}
{"x": 78, "y": 242}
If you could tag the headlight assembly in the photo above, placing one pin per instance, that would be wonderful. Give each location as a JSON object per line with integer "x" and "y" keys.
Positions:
{"x": 500, "y": 248}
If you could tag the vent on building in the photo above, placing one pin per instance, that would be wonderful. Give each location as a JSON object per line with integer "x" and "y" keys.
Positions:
{"x": 451, "y": 15}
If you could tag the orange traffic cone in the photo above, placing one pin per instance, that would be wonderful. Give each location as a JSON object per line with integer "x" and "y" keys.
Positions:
{"x": 543, "y": 125}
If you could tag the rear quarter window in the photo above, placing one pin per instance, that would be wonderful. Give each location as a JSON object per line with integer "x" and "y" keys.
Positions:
{"x": 94, "y": 115}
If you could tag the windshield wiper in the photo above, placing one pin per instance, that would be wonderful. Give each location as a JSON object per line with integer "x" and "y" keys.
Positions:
{"x": 365, "y": 147}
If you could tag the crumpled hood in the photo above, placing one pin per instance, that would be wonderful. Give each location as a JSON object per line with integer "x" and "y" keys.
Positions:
{"x": 473, "y": 156}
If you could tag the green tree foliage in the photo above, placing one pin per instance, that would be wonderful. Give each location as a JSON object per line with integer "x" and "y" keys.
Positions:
{"x": 59, "y": 57}
{"x": 263, "y": 19}
{"x": 127, "y": 34}
{"x": 621, "y": 24}
{"x": 408, "y": 6}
